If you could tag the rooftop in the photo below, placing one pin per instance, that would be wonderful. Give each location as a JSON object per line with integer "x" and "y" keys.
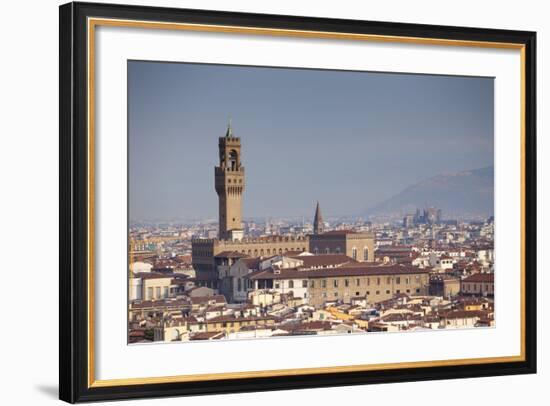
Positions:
{"x": 480, "y": 277}
{"x": 362, "y": 270}
{"x": 310, "y": 261}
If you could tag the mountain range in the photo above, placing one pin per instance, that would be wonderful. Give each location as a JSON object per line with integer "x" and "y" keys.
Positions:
{"x": 460, "y": 195}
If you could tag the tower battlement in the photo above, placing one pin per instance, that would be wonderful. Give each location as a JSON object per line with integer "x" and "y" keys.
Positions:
{"x": 259, "y": 240}
{"x": 229, "y": 140}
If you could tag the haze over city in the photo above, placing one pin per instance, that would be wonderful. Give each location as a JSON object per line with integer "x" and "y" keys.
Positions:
{"x": 348, "y": 139}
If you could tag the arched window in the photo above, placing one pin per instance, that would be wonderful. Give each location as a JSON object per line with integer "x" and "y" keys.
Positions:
{"x": 327, "y": 250}
{"x": 365, "y": 254}
{"x": 316, "y": 250}
{"x": 290, "y": 284}
{"x": 354, "y": 253}
{"x": 233, "y": 160}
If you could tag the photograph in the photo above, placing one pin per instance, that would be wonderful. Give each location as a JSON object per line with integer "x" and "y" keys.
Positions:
{"x": 273, "y": 202}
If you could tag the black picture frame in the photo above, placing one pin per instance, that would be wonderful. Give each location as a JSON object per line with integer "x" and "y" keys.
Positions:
{"x": 73, "y": 284}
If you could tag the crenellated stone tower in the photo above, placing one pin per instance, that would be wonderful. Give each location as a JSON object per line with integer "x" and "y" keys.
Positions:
{"x": 229, "y": 181}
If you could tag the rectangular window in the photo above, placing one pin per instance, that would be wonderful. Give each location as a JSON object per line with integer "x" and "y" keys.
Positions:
{"x": 388, "y": 280}
{"x": 346, "y": 283}
{"x": 368, "y": 281}
{"x": 407, "y": 281}
{"x": 157, "y": 292}
{"x": 387, "y": 292}
{"x": 166, "y": 291}
{"x": 398, "y": 280}
{"x": 335, "y": 282}
{"x": 378, "y": 281}
{"x": 324, "y": 283}
{"x": 277, "y": 285}
{"x": 312, "y": 284}
{"x": 358, "y": 282}
{"x": 368, "y": 292}
{"x": 149, "y": 293}
{"x": 304, "y": 283}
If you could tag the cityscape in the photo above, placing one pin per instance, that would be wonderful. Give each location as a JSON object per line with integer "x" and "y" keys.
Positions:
{"x": 242, "y": 278}
{"x": 269, "y": 202}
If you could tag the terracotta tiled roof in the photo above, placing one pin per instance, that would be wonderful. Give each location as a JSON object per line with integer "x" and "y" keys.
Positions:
{"x": 159, "y": 303}
{"x": 230, "y": 254}
{"x": 211, "y": 335}
{"x": 310, "y": 261}
{"x": 481, "y": 277}
{"x": 230, "y": 318}
{"x": 154, "y": 275}
{"x": 339, "y": 232}
{"x": 206, "y": 299}
{"x": 464, "y": 314}
{"x": 252, "y": 263}
{"x": 311, "y": 326}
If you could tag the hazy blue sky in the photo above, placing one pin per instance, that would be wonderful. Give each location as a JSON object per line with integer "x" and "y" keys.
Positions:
{"x": 347, "y": 139}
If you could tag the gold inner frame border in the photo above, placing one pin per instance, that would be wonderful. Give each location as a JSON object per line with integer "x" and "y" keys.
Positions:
{"x": 92, "y": 23}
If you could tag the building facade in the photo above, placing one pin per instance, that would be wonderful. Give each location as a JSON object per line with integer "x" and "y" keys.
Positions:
{"x": 356, "y": 245}
{"x": 342, "y": 284}
{"x": 480, "y": 284}
{"x": 444, "y": 286}
{"x": 205, "y": 250}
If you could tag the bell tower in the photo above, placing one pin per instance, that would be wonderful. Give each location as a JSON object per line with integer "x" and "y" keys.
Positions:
{"x": 229, "y": 181}
{"x": 318, "y": 223}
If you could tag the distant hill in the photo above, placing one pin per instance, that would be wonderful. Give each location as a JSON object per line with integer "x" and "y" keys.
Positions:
{"x": 462, "y": 195}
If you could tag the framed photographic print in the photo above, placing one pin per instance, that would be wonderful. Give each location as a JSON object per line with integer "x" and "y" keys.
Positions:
{"x": 258, "y": 202}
